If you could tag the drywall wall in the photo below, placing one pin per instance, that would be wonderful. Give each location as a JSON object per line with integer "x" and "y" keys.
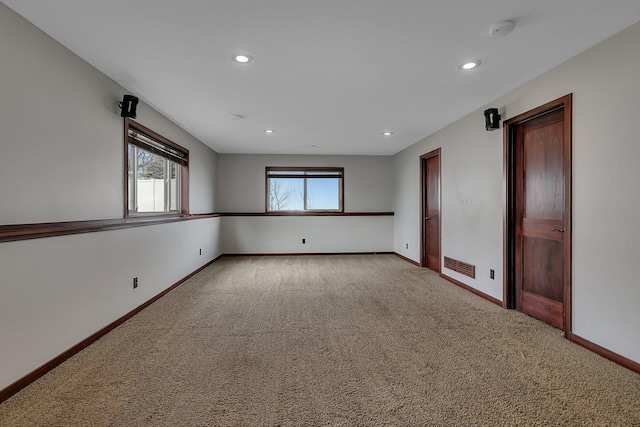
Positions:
{"x": 58, "y": 291}
{"x": 322, "y": 234}
{"x": 606, "y": 236}
{"x": 203, "y": 160}
{"x": 62, "y": 157}
{"x": 368, "y": 183}
{"x": 471, "y": 218}
{"x": 368, "y": 180}
{"x": 62, "y": 134}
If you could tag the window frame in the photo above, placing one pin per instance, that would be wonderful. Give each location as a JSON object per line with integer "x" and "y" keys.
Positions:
{"x": 287, "y": 173}
{"x": 180, "y": 155}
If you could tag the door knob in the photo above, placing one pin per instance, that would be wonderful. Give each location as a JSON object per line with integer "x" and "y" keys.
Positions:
{"x": 427, "y": 218}
{"x": 561, "y": 230}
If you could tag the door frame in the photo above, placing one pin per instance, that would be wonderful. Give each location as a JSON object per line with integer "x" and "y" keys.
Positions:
{"x": 423, "y": 214}
{"x": 509, "y": 211}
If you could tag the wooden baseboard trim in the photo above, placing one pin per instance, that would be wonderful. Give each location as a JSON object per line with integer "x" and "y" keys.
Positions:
{"x": 39, "y": 372}
{"x": 407, "y": 259}
{"x": 608, "y": 354}
{"x": 472, "y": 290}
{"x": 31, "y": 377}
{"x": 309, "y": 254}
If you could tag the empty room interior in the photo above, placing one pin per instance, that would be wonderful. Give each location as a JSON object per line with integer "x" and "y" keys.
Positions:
{"x": 343, "y": 212}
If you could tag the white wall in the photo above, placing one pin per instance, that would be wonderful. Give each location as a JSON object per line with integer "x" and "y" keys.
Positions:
{"x": 58, "y": 291}
{"x": 368, "y": 180}
{"x": 606, "y": 196}
{"x": 62, "y": 135}
{"x": 471, "y": 200}
{"x": 368, "y": 184}
{"x": 323, "y": 234}
{"x": 62, "y": 159}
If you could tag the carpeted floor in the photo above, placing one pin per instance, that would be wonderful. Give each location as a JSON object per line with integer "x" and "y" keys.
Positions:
{"x": 363, "y": 340}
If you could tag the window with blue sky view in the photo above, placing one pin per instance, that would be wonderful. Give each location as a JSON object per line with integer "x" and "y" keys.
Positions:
{"x": 304, "y": 189}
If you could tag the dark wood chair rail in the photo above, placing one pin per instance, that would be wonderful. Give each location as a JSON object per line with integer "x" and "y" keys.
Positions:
{"x": 15, "y": 232}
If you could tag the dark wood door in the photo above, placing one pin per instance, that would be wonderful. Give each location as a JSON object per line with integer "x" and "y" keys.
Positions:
{"x": 540, "y": 217}
{"x": 431, "y": 210}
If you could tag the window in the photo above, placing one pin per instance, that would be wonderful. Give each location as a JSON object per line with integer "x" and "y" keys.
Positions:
{"x": 157, "y": 173}
{"x": 305, "y": 189}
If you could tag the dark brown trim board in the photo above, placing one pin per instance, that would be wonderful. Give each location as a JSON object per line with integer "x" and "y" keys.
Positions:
{"x": 472, "y": 290}
{"x": 34, "y": 375}
{"x": 509, "y": 202}
{"x": 608, "y": 354}
{"x": 31, "y": 377}
{"x": 307, "y": 214}
{"x": 12, "y": 233}
{"x": 15, "y": 232}
{"x": 307, "y": 254}
{"x": 125, "y": 169}
{"x": 407, "y": 259}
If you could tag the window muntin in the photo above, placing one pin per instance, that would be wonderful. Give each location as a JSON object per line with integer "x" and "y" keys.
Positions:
{"x": 157, "y": 173}
{"x": 304, "y": 190}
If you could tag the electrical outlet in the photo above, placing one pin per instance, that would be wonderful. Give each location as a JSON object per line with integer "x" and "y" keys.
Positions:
{"x": 304, "y": 241}
{"x": 406, "y": 245}
{"x": 492, "y": 274}
{"x": 200, "y": 251}
{"x": 135, "y": 282}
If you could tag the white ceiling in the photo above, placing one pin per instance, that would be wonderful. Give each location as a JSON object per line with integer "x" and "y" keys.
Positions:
{"x": 330, "y": 73}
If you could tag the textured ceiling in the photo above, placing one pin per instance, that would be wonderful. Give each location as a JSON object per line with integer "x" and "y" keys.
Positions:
{"x": 329, "y": 73}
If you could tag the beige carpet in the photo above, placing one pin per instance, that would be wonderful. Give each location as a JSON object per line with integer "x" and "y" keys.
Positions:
{"x": 363, "y": 340}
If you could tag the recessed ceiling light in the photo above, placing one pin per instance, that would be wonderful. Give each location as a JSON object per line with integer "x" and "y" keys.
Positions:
{"x": 268, "y": 131}
{"x": 236, "y": 117}
{"x": 387, "y": 133}
{"x": 242, "y": 58}
{"x": 469, "y": 65}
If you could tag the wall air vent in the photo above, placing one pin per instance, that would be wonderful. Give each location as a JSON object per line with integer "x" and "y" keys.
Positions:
{"x": 460, "y": 267}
